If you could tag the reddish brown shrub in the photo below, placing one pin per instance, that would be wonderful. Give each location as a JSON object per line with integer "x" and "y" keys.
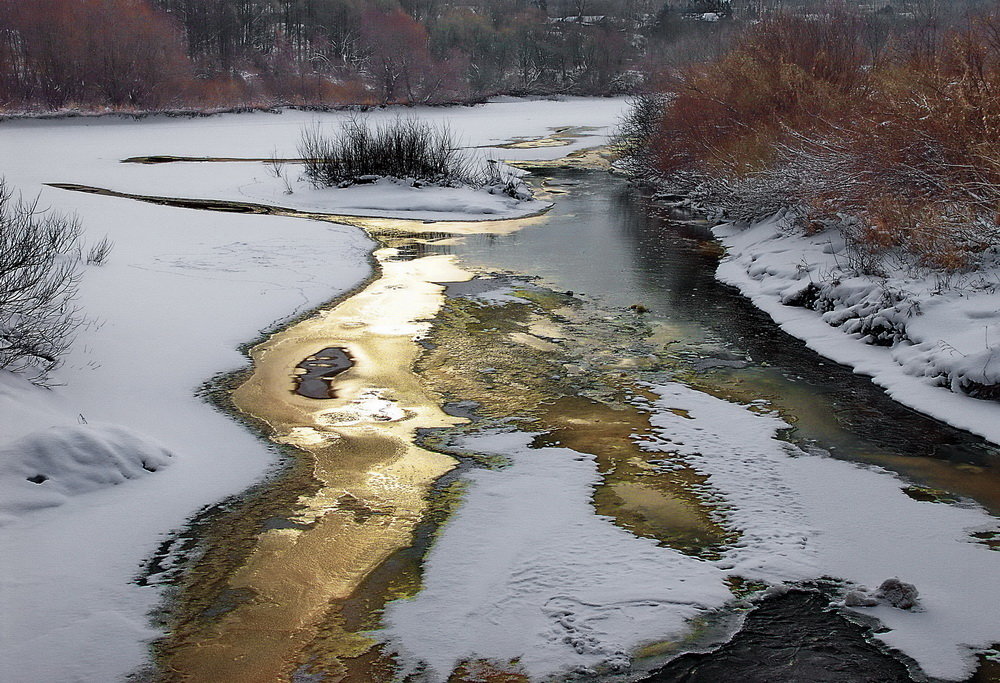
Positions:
{"x": 788, "y": 72}
{"x": 909, "y": 145}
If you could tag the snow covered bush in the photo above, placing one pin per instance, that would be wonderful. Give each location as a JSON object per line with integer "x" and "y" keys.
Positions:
{"x": 41, "y": 258}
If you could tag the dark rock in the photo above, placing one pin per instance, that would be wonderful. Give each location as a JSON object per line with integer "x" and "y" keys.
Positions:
{"x": 898, "y": 594}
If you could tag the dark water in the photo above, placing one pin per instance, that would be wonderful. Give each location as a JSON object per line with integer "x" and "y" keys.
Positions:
{"x": 823, "y": 647}
{"x": 319, "y": 369}
{"x": 604, "y": 241}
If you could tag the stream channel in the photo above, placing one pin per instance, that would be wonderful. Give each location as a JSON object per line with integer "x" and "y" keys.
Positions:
{"x": 556, "y": 322}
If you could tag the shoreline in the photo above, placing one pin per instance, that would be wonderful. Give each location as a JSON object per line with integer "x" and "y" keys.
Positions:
{"x": 761, "y": 263}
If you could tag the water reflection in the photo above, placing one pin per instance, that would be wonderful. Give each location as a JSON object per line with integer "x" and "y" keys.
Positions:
{"x": 605, "y": 241}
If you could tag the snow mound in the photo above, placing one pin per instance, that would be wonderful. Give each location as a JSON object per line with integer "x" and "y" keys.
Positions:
{"x": 45, "y": 467}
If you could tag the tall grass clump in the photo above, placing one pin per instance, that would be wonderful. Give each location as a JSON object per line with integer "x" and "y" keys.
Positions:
{"x": 402, "y": 148}
{"x": 398, "y": 148}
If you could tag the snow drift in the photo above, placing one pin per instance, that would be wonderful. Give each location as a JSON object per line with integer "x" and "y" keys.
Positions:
{"x": 43, "y": 468}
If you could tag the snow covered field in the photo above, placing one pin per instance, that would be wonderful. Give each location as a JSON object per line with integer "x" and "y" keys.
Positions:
{"x": 180, "y": 292}
{"x": 946, "y": 330}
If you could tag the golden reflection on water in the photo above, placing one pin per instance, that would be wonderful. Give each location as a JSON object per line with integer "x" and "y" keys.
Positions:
{"x": 372, "y": 478}
{"x": 296, "y": 588}
{"x": 665, "y": 504}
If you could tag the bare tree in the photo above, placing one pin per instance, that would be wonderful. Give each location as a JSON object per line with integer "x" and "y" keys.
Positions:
{"x": 41, "y": 260}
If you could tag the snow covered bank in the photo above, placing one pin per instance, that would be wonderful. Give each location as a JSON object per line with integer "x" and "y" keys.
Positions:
{"x": 104, "y": 143}
{"x": 929, "y": 340}
{"x": 526, "y": 571}
{"x": 181, "y": 291}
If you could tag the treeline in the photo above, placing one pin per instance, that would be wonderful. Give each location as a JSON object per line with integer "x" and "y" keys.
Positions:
{"x": 153, "y": 54}
{"x": 214, "y": 53}
{"x": 884, "y": 125}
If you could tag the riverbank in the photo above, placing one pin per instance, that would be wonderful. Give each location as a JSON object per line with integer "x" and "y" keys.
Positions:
{"x": 931, "y": 339}
{"x": 789, "y": 498}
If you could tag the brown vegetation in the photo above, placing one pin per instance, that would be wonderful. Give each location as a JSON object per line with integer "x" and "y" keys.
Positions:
{"x": 61, "y": 53}
{"x": 904, "y": 136}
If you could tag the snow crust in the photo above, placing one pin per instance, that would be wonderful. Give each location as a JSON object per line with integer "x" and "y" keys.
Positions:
{"x": 526, "y": 571}
{"x": 181, "y": 291}
{"x": 936, "y": 339}
{"x": 389, "y": 197}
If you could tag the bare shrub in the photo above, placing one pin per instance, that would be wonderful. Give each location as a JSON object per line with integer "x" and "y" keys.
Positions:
{"x": 98, "y": 253}
{"x": 637, "y": 129}
{"x": 399, "y": 148}
{"x": 275, "y": 165}
{"x": 40, "y": 266}
{"x": 403, "y": 148}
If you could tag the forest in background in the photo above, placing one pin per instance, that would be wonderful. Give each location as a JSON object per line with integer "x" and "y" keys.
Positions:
{"x": 142, "y": 55}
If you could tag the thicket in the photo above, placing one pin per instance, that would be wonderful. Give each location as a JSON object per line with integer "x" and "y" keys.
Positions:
{"x": 402, "y": 148}
{"x": 119, "y": 53}
{"x": 893, "y": 137}
{"x": 41, "y": 259}
{"x": 399, "y": 148}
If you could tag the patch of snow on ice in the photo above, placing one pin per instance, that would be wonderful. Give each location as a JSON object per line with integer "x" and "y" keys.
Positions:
{"x": 527, "y": 571}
